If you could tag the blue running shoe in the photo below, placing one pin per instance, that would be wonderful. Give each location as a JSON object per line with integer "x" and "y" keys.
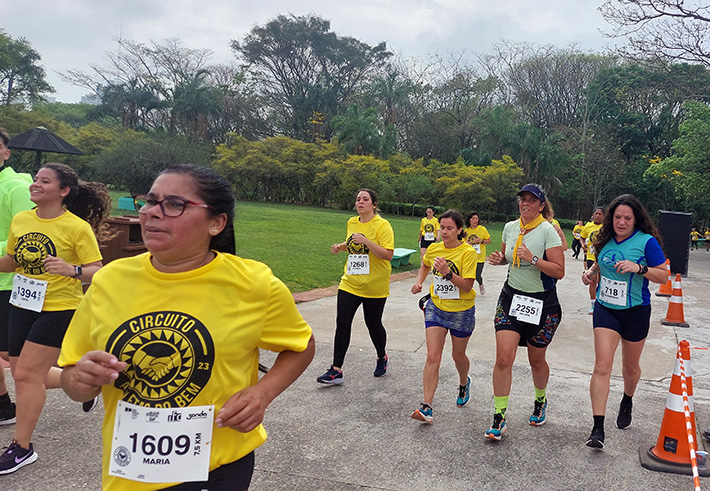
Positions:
{"x": 424, "y": 413}
{"x": 381, "y": 367}
{"x": 464, "y": 395}
{"x": 495, "y": 432}
{"x": 538, "y": 415}
{"x": 331, "y": 377}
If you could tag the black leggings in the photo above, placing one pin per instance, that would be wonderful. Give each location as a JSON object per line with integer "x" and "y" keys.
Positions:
{"x": 576, "y": 247}
{"x": 479, "y": 271}
{"x": 372, "y": 308}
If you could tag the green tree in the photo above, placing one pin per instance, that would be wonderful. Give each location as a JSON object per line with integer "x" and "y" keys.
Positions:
{"x": 688, "y": 167}
{"x": 358, "y": 131}
{"x": 22, "y": 79}
{"x": 302, "y": 68}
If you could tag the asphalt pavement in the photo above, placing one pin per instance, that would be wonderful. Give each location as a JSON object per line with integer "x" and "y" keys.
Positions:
{"x": 360, "y": 435}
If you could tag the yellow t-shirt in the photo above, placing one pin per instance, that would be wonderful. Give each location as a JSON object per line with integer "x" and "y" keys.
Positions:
{"x": 210, "y": 321}
{"x": 462, "y": 261}
{"x": 376, "y": 284}
{"x": 429, "y": 228}
{"x": 589, "y": 233}
{"x": 480, "y": 232}
{"x": 32, "y": 239}
{"x": 577, "y": 231}
{"x": 694, "y": 236}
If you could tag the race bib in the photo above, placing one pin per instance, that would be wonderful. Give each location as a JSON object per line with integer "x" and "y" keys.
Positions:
{"x": 358, "y": 264}
{"x": 429, "y": 236}
{"x": 161, "y": 444}
{"x": 477, "y": 248}
{"x": 443, "y": 288}
{"x": 613, "y": 292}
{"x": 526, "y": 309}
{"x": 28, "y": 293}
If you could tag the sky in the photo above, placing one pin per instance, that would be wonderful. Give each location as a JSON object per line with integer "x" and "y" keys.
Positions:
{"x": 72, "y": 34}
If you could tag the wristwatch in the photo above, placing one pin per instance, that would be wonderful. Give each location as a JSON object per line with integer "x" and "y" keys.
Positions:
{"x": 448, "y": 276}
{"x": 77, "y": 272}
{"x": 534, "y": 260}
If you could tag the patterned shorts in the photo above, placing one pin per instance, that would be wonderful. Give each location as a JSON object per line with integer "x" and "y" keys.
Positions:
{"x": 537, "y": 335}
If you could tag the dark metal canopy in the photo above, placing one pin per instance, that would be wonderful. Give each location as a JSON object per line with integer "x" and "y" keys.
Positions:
{"x": 40, "y": 139}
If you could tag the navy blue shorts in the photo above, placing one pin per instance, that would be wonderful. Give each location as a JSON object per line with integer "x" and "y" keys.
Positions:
{"x": 631, "y": 324}
{"x": 460, "y": 324}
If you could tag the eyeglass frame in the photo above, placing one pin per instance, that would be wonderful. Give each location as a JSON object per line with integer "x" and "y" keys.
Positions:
{"x": 159, "y": 203}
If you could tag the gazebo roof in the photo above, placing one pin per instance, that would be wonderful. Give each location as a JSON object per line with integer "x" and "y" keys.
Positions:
{"x": 43, "y": 140}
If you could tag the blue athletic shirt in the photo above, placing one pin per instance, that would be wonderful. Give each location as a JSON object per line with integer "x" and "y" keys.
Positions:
{"x": 640, "y": 248}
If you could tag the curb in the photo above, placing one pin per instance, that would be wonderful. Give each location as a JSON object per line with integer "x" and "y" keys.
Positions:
{"x": 318, "y": 293}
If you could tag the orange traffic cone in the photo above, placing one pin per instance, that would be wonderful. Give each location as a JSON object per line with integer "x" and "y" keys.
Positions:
{"x": 674, "y": 316}
{"x": 666, "y": 289}
{"x": 672, "y": 450}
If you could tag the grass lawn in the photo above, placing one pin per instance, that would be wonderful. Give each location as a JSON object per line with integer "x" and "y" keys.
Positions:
{"x": 295, "y": 240}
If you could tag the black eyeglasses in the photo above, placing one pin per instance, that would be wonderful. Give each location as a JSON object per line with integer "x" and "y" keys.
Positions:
{"x": 172, "y": 207}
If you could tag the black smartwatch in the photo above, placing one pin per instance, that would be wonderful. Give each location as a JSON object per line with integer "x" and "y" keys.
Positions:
{"x": 534, "y": 260}
{"x": 448, "y": 276}
{"x": 77, "y": 272}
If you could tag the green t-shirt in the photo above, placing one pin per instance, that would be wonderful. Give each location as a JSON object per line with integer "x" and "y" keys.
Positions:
{"x": 528, "y": 278}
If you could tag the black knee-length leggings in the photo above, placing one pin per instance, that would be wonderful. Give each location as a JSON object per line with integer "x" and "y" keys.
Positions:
{"x": 372, "y": 309}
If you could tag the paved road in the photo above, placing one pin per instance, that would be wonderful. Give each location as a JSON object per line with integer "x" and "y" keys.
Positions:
{"x": 359, "y": 435}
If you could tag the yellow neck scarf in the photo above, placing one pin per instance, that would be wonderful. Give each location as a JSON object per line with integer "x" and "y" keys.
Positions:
{"x": 523, "y": 230}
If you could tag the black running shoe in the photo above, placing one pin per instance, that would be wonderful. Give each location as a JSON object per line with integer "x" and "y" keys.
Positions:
{"x": 89, "y": 406}
{"x": 596, "y": 439}
{"x": 623, "y": 420}
{"x": 15, "y": 457}
{"x": 381, "y": 367}
{"x": 7, "y": 414}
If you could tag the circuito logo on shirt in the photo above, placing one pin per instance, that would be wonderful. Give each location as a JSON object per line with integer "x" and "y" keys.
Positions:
{"x": 31, "y": 250}
{"x": 428, "y": 227}
{"x": 169, "y": 355}
{"x": 354, "y": 248}
{"x": 470, "y": 238}
{"x": 451, "y": 266}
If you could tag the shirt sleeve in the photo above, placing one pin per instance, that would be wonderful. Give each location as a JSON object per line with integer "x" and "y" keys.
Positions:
{"x": 654, "y": 253}
{"x": 87, "y": 247}
{"x": 552, "y": 239}
{"x": 469, "y": 263}
{"x": 284, "y": 327}
{"x": 385, "y": 235}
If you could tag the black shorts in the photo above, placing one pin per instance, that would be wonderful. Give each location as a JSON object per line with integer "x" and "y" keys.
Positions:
{"x": 235, "y": 476}
{"x": 537, "y": 335}
{"x": 4, "y": 317}
{"x": 424, "y": 244}
{"x": 631, "y": 324}
{"x": 589, "y": 263}
{"x": 46, "y": 328}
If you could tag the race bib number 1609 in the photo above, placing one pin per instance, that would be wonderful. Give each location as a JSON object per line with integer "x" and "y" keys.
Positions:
{"x": 162, "y": 445}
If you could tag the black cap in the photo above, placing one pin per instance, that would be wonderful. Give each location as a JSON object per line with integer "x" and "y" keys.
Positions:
{"x": 534, "y": 190}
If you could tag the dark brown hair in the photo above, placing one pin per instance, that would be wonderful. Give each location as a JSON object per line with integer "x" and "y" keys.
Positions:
{"x": 642, "y": 220}
{"x": 87, "y": 200}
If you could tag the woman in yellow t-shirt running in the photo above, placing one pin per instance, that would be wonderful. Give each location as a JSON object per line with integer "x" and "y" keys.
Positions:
{"x": 52, "y": 248}
{"x": 366, "y": 281}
